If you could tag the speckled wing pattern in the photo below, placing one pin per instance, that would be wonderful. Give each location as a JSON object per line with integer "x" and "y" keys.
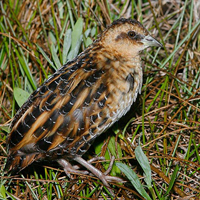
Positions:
{"x": 75, "y": 105}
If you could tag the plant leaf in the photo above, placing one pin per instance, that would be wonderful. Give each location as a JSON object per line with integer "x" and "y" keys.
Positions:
{"x": 132, "y": 176}
{"x": 46, "y": 57}
{"x": 88, "y": 41}
{"x": 2, "y": 191}
{"x": 144, "y": 163}
{"x": 172, "y": 181}
{"x": 20, "y": 96}
{"x": 77, "y": 32}
{"x": 55, "y": 56}
{"x": 67, "y": 44}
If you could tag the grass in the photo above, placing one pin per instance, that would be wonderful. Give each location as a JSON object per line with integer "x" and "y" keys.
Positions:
{"x": 37, "y": 37}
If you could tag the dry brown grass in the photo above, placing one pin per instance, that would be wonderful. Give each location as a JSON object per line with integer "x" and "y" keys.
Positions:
{"x": 165, "y": 120}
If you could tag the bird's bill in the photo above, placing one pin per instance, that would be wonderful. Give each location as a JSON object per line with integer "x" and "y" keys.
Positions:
{"x": 150, "y": 41}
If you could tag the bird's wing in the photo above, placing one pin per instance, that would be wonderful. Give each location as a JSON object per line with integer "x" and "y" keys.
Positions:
{"x": 68, "y": 105}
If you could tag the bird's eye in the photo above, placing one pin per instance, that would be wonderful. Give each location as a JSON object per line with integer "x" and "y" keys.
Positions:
{"x": 131, "y": 34}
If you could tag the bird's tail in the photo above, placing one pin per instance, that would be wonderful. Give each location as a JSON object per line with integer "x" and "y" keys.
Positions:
{"x": 16, "y": 163}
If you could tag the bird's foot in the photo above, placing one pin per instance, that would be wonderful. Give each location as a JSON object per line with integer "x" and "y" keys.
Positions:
{"x": 69, "y": 169}
{"x": 104, "y": 177}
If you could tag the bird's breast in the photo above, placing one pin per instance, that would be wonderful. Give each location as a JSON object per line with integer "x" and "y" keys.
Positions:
{"x": 121, "y": 90}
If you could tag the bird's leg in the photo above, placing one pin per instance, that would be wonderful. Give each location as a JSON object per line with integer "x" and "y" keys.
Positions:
{"x": 96, "y": 159}
{"x": 103, "y": 159}
{"x": 68, "y": 168}
{"x": 109, "y": 178}
{"x": 100, "y": 159}
{"x": 103, "y": 177}
{"x": 110, "y": 165}
{"x": 91, "y": 161}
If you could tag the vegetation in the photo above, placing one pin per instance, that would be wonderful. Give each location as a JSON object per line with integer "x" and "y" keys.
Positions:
{"x": 163, "y": 126}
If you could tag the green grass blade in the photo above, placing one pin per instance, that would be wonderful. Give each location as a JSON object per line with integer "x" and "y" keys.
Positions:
{"x": 46, "y": 57}
{"x": 172, "y": 181}
{"x": 132, "y": 176}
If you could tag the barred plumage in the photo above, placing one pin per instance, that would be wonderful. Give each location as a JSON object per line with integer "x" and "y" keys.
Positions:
{"x": 81, "y": 100}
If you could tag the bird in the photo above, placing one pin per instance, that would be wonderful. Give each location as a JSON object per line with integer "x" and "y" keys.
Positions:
{"x": 80, "y": 101}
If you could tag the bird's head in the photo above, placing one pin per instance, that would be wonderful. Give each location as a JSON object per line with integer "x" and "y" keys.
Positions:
{"x": 127, "y": 37}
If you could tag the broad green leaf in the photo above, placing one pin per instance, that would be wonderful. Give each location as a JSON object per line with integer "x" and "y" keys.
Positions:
{"x": 88, "y": 41}
{"x": 76, "y": 39}
{"x": 132, "y": 176}
{"x": 20, "y": 96}
{"x": 2, "y": 191}
{"x": 77, "y": 32}
{"x": 55, "y": 57}
{"x": 52, "y": 37}
{"x": 111, "y": 146}
{"x": 93, "y": 31}
{"x": 144, "y": 163}
{"x": 87, "y": 32}
{"x": 67, "y": 44}
{"x": 98, "y": 146}
{"x": 74, "y": 52}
